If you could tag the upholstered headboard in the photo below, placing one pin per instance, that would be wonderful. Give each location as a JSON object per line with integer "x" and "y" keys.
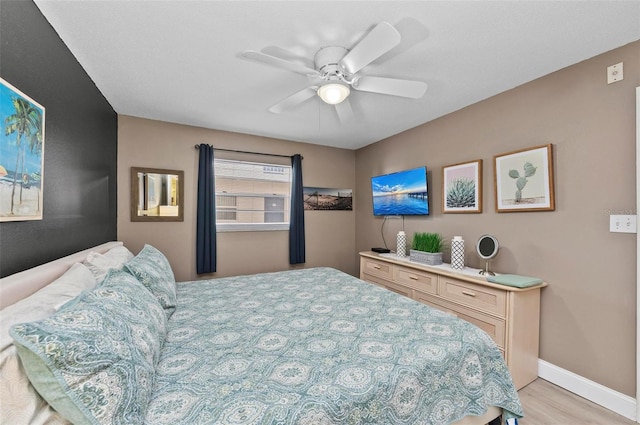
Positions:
{"x": 20, "y": 285}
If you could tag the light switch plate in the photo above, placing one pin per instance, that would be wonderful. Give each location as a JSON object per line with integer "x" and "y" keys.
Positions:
{"x": 623, "y": 223}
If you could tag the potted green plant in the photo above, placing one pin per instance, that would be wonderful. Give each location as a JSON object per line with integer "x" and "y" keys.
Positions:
{"x": 426, "y": 248}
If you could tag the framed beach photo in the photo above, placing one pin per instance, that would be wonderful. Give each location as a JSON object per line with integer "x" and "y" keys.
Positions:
{"x": 462, "y": 187}
{"x": 325, "y": 199}
{"x": 21, "y": 155}
{"x": 524, "y": 180}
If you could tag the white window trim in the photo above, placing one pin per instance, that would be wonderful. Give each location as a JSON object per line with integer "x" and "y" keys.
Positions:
{"x": 224, "y": 226}
{"x": 250, "y": 227}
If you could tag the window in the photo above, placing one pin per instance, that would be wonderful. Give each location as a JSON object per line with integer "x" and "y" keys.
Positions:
{"x": 225, "y": 208}
{"x": 252, "y": 196}
{"x": 273, "y": 209}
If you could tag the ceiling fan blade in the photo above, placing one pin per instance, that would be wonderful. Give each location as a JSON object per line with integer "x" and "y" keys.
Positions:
{"x": 390, "y": 86}
{"x": 344, "y": 110}
{"x": 278, "y": 62}
{"x": 287, "y": 55}
{"x": 379, "y": 41}
{"x": 295, "y": 99}
{"x": 412, "y": 32}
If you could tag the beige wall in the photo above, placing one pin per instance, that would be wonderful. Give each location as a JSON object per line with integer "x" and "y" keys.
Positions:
{"x": 588, "y": 311}
{"x": 330, "y": 237}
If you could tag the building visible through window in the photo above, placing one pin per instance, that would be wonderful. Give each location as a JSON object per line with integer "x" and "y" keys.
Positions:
{"x": 252, "y": 196}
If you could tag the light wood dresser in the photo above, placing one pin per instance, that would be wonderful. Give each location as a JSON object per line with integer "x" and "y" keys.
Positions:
{"x": 511, "y": 316}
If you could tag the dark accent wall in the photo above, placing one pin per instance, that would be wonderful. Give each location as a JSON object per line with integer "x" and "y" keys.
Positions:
{"x": 80, "y": 149}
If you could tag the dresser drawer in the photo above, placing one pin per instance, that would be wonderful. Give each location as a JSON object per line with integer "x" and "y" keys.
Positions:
{"x": 482, "y": 297}
{"x": 419, "y": 280}
{"x": 399, "y": 289}
{"x": 493, "y": 326}
{"x": 374, "y": 280}
{"x": 376, "y": 268}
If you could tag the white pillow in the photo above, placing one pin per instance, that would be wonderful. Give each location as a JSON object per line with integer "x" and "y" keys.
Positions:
{"x": 46, "y": 301}
{"x": 100, "y": 264}
{"x": 21, "y": 404}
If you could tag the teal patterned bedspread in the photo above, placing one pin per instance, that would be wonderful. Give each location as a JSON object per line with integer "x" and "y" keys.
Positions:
{"x": 318, "y": 347}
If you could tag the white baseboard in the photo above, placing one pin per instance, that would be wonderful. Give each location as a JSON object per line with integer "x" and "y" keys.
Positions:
{"x": 606, "y": 397}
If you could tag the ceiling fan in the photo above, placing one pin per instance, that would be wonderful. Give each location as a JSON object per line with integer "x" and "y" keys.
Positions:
{"x": 335, "y": 72}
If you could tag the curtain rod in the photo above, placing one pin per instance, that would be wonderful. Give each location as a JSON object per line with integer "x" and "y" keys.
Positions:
{"x": 248, "y": 152}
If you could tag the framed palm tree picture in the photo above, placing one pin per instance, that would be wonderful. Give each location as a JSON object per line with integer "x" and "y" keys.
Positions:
{"x": 21, "y": 155}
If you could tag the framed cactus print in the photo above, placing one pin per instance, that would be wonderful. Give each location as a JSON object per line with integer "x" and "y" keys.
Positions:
{"x": 524, "y": 180}
{"x": 462, "y": 187}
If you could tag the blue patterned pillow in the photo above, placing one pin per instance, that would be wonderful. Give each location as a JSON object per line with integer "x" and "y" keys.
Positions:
{"x": 152, "y": 268}
{"x": 94, "y": 360}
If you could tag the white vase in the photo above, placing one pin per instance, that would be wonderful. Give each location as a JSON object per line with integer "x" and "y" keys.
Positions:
{"x": 401, "y": 244}
{"x": 457, "y": 253}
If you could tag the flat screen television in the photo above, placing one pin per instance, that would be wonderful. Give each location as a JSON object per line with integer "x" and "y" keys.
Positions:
{"x": 401, "y": 193}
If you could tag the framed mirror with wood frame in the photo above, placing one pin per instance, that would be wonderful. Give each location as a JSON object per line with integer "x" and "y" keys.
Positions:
{"x": 157, "y": 194}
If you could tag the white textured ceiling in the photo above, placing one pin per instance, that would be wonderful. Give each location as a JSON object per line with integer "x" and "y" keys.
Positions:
{"x": 179, "y": 61}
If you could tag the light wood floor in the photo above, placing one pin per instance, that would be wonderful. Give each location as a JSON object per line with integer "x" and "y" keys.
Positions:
{"x": 547, "y": 404}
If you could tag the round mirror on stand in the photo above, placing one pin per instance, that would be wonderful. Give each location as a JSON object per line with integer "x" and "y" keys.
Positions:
{"x": 487, "y": 248}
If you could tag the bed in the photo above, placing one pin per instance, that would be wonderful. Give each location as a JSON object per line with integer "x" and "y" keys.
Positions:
{"x": 306, "y": 346}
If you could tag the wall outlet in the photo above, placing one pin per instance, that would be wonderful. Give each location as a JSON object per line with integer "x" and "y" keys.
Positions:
{"x": 623, "y": 223}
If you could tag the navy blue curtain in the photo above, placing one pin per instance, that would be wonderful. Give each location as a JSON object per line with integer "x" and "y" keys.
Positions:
{"x": 206, "y": 224}
{"x": 296, "y": 219}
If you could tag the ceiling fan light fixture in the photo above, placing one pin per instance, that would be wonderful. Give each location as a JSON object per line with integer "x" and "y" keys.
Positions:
{"x": 333, "y": 93}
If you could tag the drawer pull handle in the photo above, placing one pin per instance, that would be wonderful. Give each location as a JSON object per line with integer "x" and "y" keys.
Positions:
{"x": 376, "y": 267}
{"x": 413, "y": 277}
{"x": 470, "y": 294}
